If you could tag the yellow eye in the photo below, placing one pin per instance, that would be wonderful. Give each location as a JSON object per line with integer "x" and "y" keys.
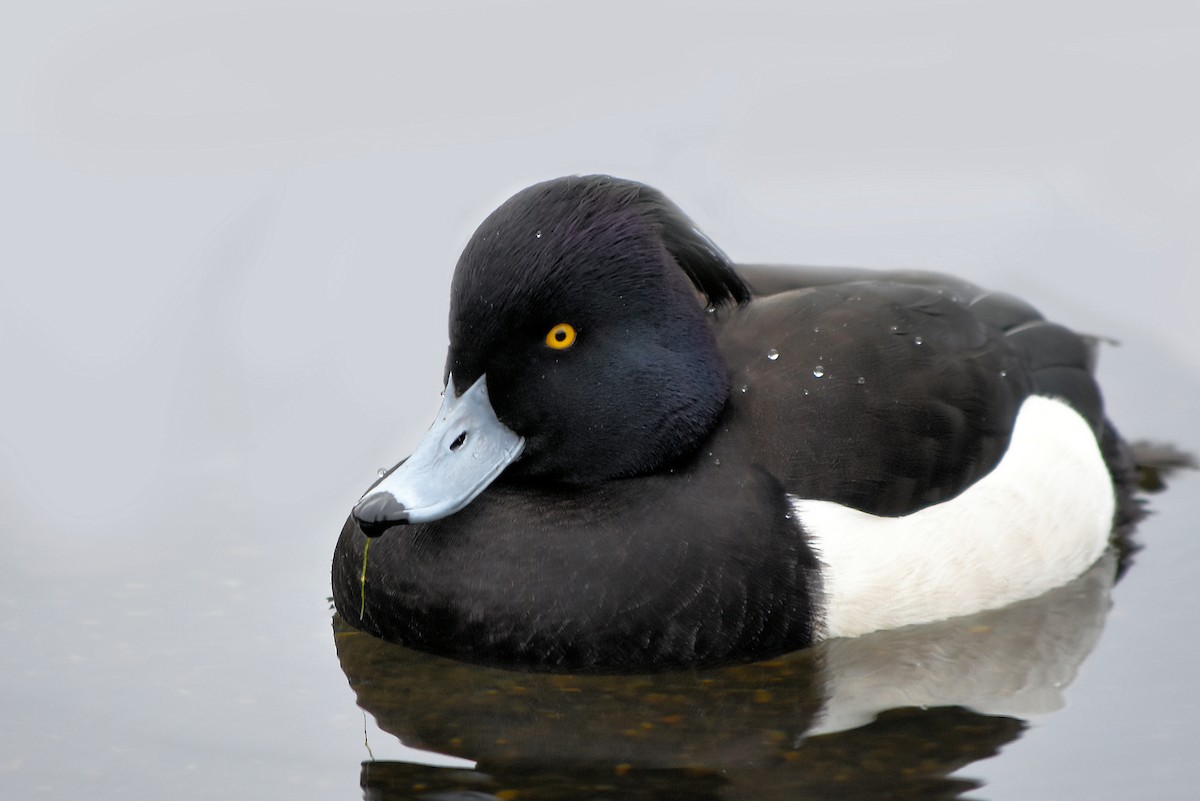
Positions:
{"x": 561, "y": 336}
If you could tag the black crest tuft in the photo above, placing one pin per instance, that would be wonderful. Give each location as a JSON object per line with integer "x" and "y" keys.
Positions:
{"x": 708, "y": 268}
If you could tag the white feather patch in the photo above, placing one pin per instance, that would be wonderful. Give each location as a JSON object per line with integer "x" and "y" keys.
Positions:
{"x": 1039, "y": 519}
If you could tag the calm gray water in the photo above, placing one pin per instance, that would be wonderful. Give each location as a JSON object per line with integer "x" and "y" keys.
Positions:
{"x": 227, "y": 241}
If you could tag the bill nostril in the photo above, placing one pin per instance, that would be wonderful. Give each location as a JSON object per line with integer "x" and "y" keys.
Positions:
{"x": 458, "y": 441}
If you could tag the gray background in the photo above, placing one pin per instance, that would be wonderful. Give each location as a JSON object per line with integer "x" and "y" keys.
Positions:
{"x": 228, "y": 230}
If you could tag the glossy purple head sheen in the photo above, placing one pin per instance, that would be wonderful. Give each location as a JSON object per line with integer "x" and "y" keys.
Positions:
{"x": 643, "y": 383}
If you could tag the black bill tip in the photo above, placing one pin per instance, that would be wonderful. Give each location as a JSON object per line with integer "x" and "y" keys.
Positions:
{"x": 378, "y": 512}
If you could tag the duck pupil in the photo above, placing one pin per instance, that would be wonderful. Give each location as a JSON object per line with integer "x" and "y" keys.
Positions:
{"x": 560, "y": 335}
{"x": 458, "y": 441}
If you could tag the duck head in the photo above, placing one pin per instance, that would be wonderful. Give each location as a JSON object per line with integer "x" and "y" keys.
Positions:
{"x": 580, "y": 349}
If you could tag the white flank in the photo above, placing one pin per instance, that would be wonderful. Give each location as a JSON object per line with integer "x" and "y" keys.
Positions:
{"x": 1040, "y": 518}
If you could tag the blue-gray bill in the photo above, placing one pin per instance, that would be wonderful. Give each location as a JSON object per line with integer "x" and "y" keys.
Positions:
{"x": 464, "y": 451}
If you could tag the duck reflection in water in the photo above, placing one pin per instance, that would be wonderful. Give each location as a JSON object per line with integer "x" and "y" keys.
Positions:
{"x": 891, "y": 714}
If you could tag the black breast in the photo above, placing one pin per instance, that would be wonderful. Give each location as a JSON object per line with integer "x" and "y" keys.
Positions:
{"x": 697, "y": 566}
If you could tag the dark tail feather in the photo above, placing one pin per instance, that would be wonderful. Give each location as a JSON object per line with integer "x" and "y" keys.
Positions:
{"x": 1137, "y": 468}
{"x": 1156, "y": 461}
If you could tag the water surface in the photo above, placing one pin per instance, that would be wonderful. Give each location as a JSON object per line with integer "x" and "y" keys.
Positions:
{"x": 227, "y": 237}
